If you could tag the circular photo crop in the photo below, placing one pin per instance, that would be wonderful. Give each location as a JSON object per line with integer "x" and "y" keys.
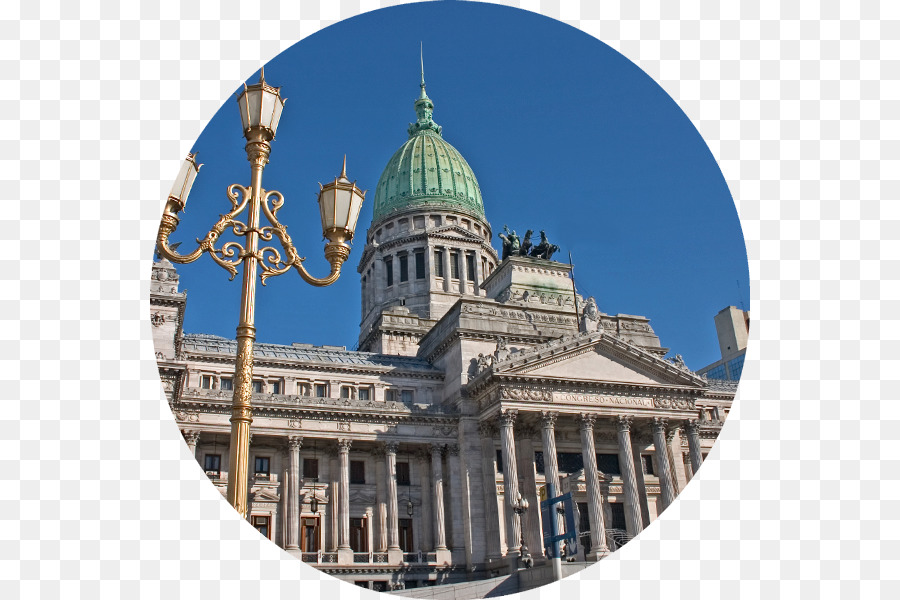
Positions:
{"x": 450, "y": 294}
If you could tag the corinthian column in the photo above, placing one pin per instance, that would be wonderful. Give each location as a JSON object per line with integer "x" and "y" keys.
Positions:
{"x": 489, "y": 481}
{"x": 344, "y": 496}
{"x": 551, "y": 467}
{"x": 629, "y": 478}
{"x": 666, "y": 488}
{"x": 437, "y": 480}
{"x": 692, "y": 428}
{"x": 510, "y": 484}
{"x": 390, "y": 455}
{"x": 292, "y": 494}
{"x": 592, "y": 481}
{"x": 191, "y": 438}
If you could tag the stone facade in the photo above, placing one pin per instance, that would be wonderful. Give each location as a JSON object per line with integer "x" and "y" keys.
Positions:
{"x": 477, "y": 383}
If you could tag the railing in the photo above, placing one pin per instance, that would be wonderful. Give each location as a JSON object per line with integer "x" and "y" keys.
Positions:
{"x": 380, "y": 557}
{"x": 616, "y": 538}
{"x": 328, "y": 557}
{"x": 362, "y": 557}
{"x": 312, "y": 557}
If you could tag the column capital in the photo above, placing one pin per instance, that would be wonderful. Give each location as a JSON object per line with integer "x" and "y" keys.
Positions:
{"x": 378, "y": 451}
{"x": 486, "y": 429}
{"x": 624, "y": 423}
{"x": 453, "y": 449}
{"x": 343, "y": 445}
{"x": 658, "y": 425}
{"x": 548, "y": 419}
{"x": 190, "y": 436}
{"x": 391, "y": 447}
{"x": 294, "y": 442}
{"x": 586, "y": 421}
{"x": 670, "y": 434}
{"x": 436, "y": 448}
{"x": 692, "y": 426}
{"x": 507, "y": 418}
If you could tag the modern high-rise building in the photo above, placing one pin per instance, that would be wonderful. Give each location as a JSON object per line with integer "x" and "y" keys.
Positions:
{"x": 410, "y": 461}
{"x": 732, "y": 329}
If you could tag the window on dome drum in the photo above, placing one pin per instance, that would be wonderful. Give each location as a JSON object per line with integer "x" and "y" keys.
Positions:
{"x": 404, "y": 267}
{"x": 321, "y": 390}
{"x": 406, "y": 397}
{"x": 206, "y": 382}
{"x": 257, "y": 387}
{"x": 470, "y": 267}
{"x": 311, "y": 469}
{"x": 389, "y": 271}
{"x": 484, "y": 267}
{"x": 454, "y": 265}
{"x": 212, "y": 464}
{"x": 402, "y": 473}
{"x": 275, "y": 387}
{"x": 436, "y": 221}
{"x": 439, "y": 263}
{"x": 420, "y": 264}
{"x": 357, "y": 471}
{"x": 261, "y": 466}
{"x": 345, "y": 391}
{"x": 363, "y": 393}
{"x": 647, "y": 464}
{"x": 227, "y": 383}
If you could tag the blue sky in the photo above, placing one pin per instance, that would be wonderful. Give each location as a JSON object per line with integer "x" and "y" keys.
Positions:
{"x": 563, "y": 133}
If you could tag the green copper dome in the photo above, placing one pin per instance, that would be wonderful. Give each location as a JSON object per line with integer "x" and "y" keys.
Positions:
{"x": 427, "y": 171}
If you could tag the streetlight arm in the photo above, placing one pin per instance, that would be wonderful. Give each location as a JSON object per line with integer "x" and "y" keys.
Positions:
{"x": 273, "y": 265}
{"x": 231, "y": 249}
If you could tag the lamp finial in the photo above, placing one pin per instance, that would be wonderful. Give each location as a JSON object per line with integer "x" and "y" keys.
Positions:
{"x": 344, "y": 168}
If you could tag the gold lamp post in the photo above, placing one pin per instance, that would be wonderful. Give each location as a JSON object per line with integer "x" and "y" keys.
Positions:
{"x": 339, "y": 205}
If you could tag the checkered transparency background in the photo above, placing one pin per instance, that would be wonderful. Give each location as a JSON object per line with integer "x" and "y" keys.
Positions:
{"x": 99, "y": 104}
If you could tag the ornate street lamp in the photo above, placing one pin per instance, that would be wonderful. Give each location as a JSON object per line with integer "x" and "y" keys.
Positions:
{"x": 409, "y": 508}
{"x": 519, "y": 506}
{"x": 339, "y": 204}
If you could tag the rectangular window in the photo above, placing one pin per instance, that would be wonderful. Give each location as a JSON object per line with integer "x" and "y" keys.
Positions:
{"x": 311, "y": 468}
{"x": 364, "y": 393}
{"x": 206, "y": 382}
{"x": 357, "y": 471}
{"x": 406, "y": 396}
{"x": 454, "y": 265}
{"x": 275, "y": 387}
{"x": 359, "y": 540}
{"x": 609, "y": 464}
{"x": 717, "y": 372}
{"x": 402, "y": 473}
{"x": 420, "y": 265}
{"x": 499, "y": 461}
{"x": 647, "y": 462}
{"x": 390, "y": 395}
{"x": 227, "y": 383}
{"x": 618, "y": 516}
{"x": 439, "y": 263}
{"x": 257, "y": 387}
{"x": 212, "y": 463}
{"x": 389, "y": 271}
{"x": 470, "y": 267}
{"x": 404, "y": 268}
{"x": 321, "y": 390}
{"x": 345, "y": 391}
{"x": 262, "y": 526}
{"x": 262, "y": 465}
{"x": 735, "y": 366}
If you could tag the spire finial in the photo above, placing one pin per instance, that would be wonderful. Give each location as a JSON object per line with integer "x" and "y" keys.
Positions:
{"x": 423, "y": 95}
{"x": 344, "y": 168}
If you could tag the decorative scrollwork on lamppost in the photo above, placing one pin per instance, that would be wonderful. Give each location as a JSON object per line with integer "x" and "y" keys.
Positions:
{"x": 519, "y": 506}
{"x": 339, "y": 205}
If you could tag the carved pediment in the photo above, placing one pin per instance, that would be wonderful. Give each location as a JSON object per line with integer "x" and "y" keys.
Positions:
{"x": 264, "y": 495}
{"x": 597, "y": 357}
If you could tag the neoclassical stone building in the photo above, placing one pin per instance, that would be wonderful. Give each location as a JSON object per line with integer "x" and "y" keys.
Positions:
{"x": 476, "y": 382}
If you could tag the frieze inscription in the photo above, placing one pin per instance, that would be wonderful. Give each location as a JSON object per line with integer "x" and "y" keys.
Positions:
{"x": 642, "y": 402}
